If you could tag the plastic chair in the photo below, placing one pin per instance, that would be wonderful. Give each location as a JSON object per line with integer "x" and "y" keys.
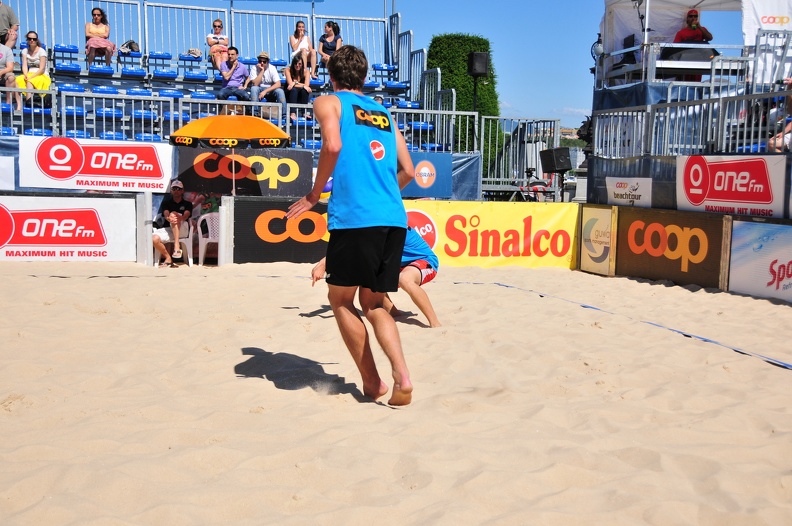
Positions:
{"x": 212, "y": 222}
{"x": 185, "y": 242}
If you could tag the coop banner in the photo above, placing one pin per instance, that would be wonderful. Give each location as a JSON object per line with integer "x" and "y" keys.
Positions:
{"x": 44, "y": 228}
{"x": 736, "y": 185}
{"x": 83, "y": 164}
{"x": 489, "y": 234}
{"x": 275, "y": 172}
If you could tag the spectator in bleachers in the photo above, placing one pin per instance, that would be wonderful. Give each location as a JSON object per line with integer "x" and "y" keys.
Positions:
{"x": 265, "y": 83}
{"x": 218, "y": 43}
{"x": 780, "y": 142}
{"x": 330, "y": 42}
{"x": 298, "y": 84}
{"x": 302, "y": 46}
{"x": 9, "y": 26}
{"x": 97, "y": 35}
{"x": 34, "y": 66}
{"x": 7, "y": 78}
{"x": 234, "y": 75}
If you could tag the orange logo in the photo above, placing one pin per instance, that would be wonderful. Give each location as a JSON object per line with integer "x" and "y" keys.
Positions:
{"x": 292, "y": 227}
{"x": 656, "y": 242}
{"x": 425, "y": 174}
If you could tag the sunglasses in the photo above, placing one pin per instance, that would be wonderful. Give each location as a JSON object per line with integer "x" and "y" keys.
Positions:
{"x": 218, "y": 27}
{"x": 31, "y": 39}
{"x": 96, "y": 14}
{"x": 692, "y": 16}
{"x": 263, "y": 61}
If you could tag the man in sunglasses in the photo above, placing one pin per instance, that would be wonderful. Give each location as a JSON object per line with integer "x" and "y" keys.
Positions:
{"x": 265, "y": 84}
{"x": 693, "y": 31}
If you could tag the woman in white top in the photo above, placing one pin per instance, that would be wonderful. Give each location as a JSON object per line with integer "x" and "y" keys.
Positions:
{"x": 301, "y": 45}
{"x": 218, "y": 43}
{"x": 34, "y": 66}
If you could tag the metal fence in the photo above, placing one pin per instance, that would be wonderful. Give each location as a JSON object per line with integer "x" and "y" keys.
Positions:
{"x": 510, "y": 151}
{"x": 731, "y": 124}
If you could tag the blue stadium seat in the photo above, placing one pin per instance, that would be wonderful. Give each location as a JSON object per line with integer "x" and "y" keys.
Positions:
{"x": 148, "y": 137}
{"x": 370, "y": 85}
{"x": 64, "y": 55}
{"x": 71, "y": 88}
{"x": 421, "y": 126}
{"x": 166, "y": 116}
{"x": 78, "y": 134}
{"x": 413, "y": 148}
{"x": 73, "y": 111}
{"x": 316, "y": 84}
{"x": 393, "y": 86}
{"x": 144, "y": 115}
{"x": 432, "y": 147}
{"x": 97, "y": 69}
{"x": 249, "y": 61}
{"x": 135, "y": 72}
{"x": 5, "y": 131}
{"x": 164, "y": 74}
{"x": 66, "y": 48}
{"x": 186, "y": 57}
{"x": 172, "y": 93}
{"x": 159, "y": 55}
{"x": 6, "y": 108}
{"x": 384, "y": 67}
{"x": 109, "y": 113}
{"x": 39, "y": 132}
{"x": 203, "y": 114}
{"x": 408, "y": 105}
{"x": 279, "y": 62}
{"x": 139, "y": 92}
{"x": 311, "y": 144}
{"x": 196, "y": 75}
{"x": 113, "y": 136}
{"x": 753, "y": 148}
{"x": 158, "y": 62}
{"x": 68, "y": 68}
{"x": 105, "y": 90}
{"x": 203, "y": 95}
{"x": 27, "y": 110}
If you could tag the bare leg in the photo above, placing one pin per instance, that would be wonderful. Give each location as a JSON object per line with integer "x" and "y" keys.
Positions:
{"x": 355, "y": 336}
{"x": 410, "y": 282}
{"x": 388, "y": 337}
{"x": 176, "y": 242}
{"x": 160, "y": 246}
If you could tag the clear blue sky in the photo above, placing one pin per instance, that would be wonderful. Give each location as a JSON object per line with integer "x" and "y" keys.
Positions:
{"x": 540, "y": 49}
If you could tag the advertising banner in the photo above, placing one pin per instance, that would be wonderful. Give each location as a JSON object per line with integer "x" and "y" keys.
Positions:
{"x": 629, "y": 191}
{"x": 432, "y": 176}
{"x": 761, "y": 260}
{"x": 67, "y": 229}
{"x": 262, "y": 234}
{"x": 489, "y": 234}
{"x": 663, "y": 244}
{"x": 275, "y": 172}
{"x": 595, "y": 240}
{"x": 71, "y": 164}
{"x": 737, "y": 185}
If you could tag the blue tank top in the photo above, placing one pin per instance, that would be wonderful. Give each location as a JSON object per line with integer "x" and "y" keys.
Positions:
{"x": 416, "y": 248}
{"x": 365, "y": 188}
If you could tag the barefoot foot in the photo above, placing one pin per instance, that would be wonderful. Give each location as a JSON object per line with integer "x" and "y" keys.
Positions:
{"x": 376, "y": 392}
{"x": 402, "y": 395}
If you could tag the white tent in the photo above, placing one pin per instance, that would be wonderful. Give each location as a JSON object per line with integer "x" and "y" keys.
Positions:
{"x": 666, "y": 17}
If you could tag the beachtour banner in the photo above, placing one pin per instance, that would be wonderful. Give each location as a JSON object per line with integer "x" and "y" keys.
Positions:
{"x": 761, "y": 259}
{"x": 63, "y": 163}
{"x": 632, "y": 191}
{"x": 489, "y": 234}
{"x": 736, "y": 185}
{"x": 43, "y": 228}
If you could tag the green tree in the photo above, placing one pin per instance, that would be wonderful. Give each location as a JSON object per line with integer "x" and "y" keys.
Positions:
{"x": 449, "y": 53}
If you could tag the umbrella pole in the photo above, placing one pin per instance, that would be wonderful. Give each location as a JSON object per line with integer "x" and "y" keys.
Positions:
{"x": 233, "y": 174}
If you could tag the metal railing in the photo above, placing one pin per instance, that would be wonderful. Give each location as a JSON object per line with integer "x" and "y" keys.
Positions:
{"x": 730, "y": 124}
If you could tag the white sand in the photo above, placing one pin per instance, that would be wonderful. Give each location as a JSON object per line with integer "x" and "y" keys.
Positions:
{"x": 131, "y": 395}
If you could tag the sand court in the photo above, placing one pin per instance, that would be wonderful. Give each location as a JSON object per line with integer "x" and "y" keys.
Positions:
{"x": 133, "y": 395}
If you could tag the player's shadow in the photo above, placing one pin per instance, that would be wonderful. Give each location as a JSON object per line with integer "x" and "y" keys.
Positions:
{"x": 290, "y": 372}
{"x": 323, "y": 312}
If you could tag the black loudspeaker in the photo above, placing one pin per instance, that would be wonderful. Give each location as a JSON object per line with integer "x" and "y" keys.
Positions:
{"x": 555, "y": 160}
{"x": 478, "y": 64}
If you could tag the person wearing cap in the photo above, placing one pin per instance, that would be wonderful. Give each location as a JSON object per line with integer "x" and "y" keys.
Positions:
{"x": 234, "y": 74}
{"x": 265, "y": 83}
{"x": 174, "y": 210}
{"x": 378, "y": 98}
{"x": 693, "y": 31}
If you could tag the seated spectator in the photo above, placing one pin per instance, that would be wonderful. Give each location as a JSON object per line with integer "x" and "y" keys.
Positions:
{"x": 303, "y": 47}
{"x": 693, "y": 32}
{"x": 330, "y": 42}
{"x": 234, "y": 74}
{"x": 34, "y": 66}
{"x": 97, "y": 33}
{"x": 265, "y": 84}
{"x": 174, "y": 211}
{"x": 7, "y": 78}
{"x": 780, "y": 142}
{"x": 298, "y": 84}
{"x": 218, "y": 43}
{"x": 378, "y": 98}
{"x": 9, "y": 26}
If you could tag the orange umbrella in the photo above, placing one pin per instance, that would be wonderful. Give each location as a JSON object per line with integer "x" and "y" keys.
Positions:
{"x": 230, "y": 131}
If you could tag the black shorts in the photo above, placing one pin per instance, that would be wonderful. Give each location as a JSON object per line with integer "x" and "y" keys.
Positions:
{"x": 366, "y": 257}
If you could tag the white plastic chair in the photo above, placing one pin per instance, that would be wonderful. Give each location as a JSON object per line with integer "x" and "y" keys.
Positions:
{"x": 185, "y": 241}
{"x": 212, "y": 222}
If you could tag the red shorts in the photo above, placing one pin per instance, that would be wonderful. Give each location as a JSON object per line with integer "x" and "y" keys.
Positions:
{"x": 427, "y": 272}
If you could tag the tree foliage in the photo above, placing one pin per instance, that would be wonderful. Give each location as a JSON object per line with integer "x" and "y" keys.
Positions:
{"x": 449, "y": 53}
